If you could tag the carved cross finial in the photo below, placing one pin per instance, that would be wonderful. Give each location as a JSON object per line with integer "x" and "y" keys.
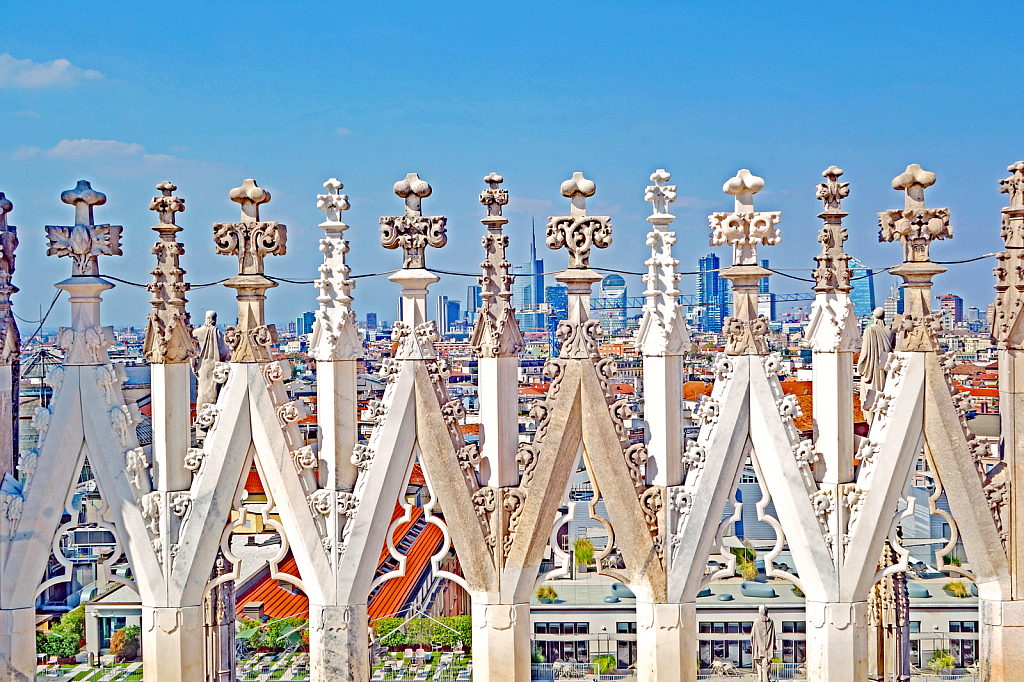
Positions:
{"x": 250, "y": 197}
{"x": 1014, "y": 185}
{"x": 493, "y": 197}
{"x": 743, "y": 229}
{"x": 743, "y": 186}
{"x": 832, "y": 192}
{"x": 660, "y": 195}
{"x": 332, "y": 203}
{"x": 578, "y": 231}
{"x": 166, "y": 205}
{"x": 83, "y": 197}
{"x": 832, "y": 273}
{"x": 915, "y": 226}
{"x": 250, "y": 239}
{"x": 413, "y": 190}
{"x": 5, "y": 207}
{"x": 413, "y": 232}
{"x": 84, "y": 242}
{"x": 913, "y": 181}
{"x": 578, "y": 188}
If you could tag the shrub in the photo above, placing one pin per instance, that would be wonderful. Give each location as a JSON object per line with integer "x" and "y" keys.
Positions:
{"x": 941, "y": 661}
{"x": 537, "y": 656}
{"x": 583, "y": 549}
{"x": 956, "y": 588}
{"x": 384, "y": 626}
{"x": 41, "y": 642}
{"x": 546, "y": 592}
{"x": 124, "y": 644}
{"x": 744, "y": 554}
{"x": 951, "y": 560}
{"x": 462, "y": 624}
{"x": 72, "y": 623}
{"x": 62, "y": 645}
{"x": 605, "y": 663}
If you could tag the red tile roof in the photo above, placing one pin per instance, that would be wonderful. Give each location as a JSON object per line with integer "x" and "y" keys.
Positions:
{"x": 277, "y": 602}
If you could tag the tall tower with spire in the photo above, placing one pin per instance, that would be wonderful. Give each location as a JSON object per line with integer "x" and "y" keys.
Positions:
{"x": 528, "y": 289}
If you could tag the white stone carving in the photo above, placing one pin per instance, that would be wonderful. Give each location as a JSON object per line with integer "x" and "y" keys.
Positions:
{"x": 578, "y": 232}
{"x": 413, "y": 232}
{"x": 335, "y": 333}
{"x": 744, "y": 229}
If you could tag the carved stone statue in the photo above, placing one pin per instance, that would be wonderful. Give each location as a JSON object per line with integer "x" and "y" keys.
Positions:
{"x": 762, "y": 643}
{"x": 874, "y": 351}
{"x": 212, "y": 349}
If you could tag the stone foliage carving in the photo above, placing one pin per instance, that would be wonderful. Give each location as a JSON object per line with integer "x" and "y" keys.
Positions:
{"x": 84, "y": 241}
{"x": 578, "y": 232}
{"x": 1009, "y": 272}
{"x": 744, "y": 229}
{"x": 251, "y": 240}
{"x": 662, "y": 329}
{"x": 335, "y": 334}
{"x": 168, "y": 327}
{"x": 915, "y": 226}
{"x": 496, "y": 332}
{"x": 413, "y": 232}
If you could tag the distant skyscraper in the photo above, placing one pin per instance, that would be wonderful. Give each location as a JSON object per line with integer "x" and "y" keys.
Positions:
{"x": 447, "y": 314}
{"x": 613, "y": 295}
{"x": 862, "y": 279}
{"x": 304, "y": 323}
{"x": 473, "y": 302}
{"x": 713, "y": 294}
{"x": 528, "y": 291}
{"x": 972, "y": 314}
{"x": 371, "y": 320}
{"x": 762, "y": 284}
{"x": 953, "y": 306}
{"x": 557, "y": 297}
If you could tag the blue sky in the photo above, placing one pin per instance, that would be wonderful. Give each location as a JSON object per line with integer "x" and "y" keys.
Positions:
{"x": 208, "y": 94}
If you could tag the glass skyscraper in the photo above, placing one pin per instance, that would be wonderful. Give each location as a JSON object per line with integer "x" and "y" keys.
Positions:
{"x": 613, "y": 295}
{"x": 713, "y": 294}
{"x": 528, "y": 291}
{"x": 862, "y": 280}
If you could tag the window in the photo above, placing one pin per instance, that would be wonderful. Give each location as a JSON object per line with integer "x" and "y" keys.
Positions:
{"x": 540, "y": 628}
{"x": 915, "y": 626}
{"x": 748, "y": 476}
{"x": 794, "y": 626}
{"x": 108, "y": 626}
{"x": 628, "y": 628}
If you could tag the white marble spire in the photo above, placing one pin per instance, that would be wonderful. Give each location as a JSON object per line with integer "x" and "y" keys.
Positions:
{"x": 335, "y": 333}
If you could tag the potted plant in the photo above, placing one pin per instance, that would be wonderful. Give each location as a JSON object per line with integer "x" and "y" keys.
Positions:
{"x": 941, "y": 661}
{"x": 583, "y": 550}
{"x": 546, "y": 594}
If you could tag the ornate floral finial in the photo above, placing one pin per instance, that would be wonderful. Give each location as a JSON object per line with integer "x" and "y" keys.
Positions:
{"x": 168, "y": 327}
{"x": 662, "y": 329}
{"x": 332, "y": 203}
{"x": 413, "y": 232}
{"x": 1014, "y": 185}
{"x": 5, "y": 207}
{"x": 251, "y": 240}
{"x": 335, "y": 336}
{"x": 578, "y": 232}
{"x": 743, "y": 229}
{"x": 496, "y": 332}
{"x": 915, "y": 226}
{"x": 832, "y": 273}
{"x": 84, "y": 242}
{"x": 832, "y": 192}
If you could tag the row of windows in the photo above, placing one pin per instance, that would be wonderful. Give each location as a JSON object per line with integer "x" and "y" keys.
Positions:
{"x": 561, "y": 628}
{"x": 739, "y": 651}
{"x": 788, "y": 626}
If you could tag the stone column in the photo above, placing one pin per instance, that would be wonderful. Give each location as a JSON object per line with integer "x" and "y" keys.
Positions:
{"x": 663, "y": 340}
{"x": 172, "y": 643}
{"x": 497, "y": 341}
{"x": 501, "y": 641}
{"x": 666, "y": 641}
{"x": 837, "y": 646}
{"x": 339, "y": 643}
{"x": 18, "y": 644}
{"x": 1002, "y": 622}
{"x": 10, "y": 345}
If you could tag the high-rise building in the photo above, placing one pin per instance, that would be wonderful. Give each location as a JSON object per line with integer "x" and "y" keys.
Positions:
{"x": 862, "y": 279}
{"x": 762, "y": 284}
{"x": 894, "y": 304}
{"x": 304, "y": 323}
{"x": 557, "y": 298}
{"x": 953, "y": 307}
{"x": 473, "y": 302}
{"x": 613, "y": 298}
{"x": 713, "y": 294}
{"x": 973, "y": 314}
{"x": 447, "y": 314}
{"x": 528, "y": 291}
{"x": 371, "y": 320}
